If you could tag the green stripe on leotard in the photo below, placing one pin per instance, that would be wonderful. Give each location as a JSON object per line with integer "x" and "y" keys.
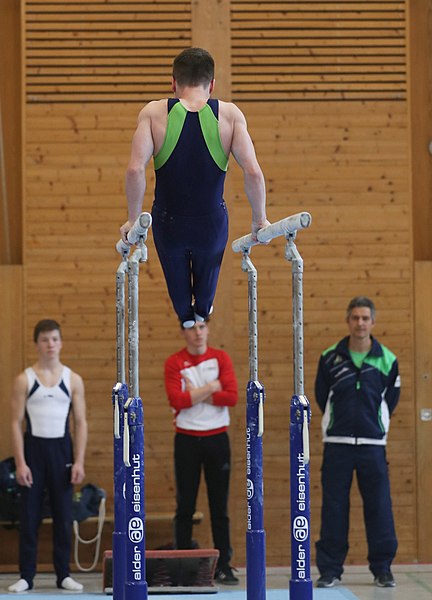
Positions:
{"x": 176, "y": 119}
{"x": 209, "y": 128}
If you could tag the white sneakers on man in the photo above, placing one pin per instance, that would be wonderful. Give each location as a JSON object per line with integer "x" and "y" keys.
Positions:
{"x": 20, "y": 586}
{"x": 68, "y": 584}
{"x": 71, "y": 585}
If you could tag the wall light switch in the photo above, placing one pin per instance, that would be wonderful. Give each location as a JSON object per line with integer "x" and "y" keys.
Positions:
{"x": 426, "y": 414}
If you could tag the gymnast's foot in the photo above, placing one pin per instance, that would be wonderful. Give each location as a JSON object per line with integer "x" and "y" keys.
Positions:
{"x": 200, "y": 319}
{"x": 188, "y": 324}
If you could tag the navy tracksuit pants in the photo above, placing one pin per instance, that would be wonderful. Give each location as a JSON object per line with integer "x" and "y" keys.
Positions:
{"x": 190, "y": 249}
{"x": 192, "y": 454}
{"x": 50, "y": 461}
{"x": 339, "y": 463}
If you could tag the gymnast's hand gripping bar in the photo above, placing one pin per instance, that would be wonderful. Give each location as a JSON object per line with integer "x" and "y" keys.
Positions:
{"x": 266, "y": 234}
{"x": 137, "y": 233}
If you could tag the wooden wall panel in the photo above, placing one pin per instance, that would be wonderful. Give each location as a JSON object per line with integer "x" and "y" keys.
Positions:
{"x": 423, "y": 404}
{"x": 420, "y": 103}
{"x": 102, "y": 51}
{"x": 11, "y": 209}
{"x": 344, "y": 161}
{"x": 348, "y": 168}
{"x": 318, "y": 50}
{"x": 12, "y": 316}
{"x": 75, "y": 204}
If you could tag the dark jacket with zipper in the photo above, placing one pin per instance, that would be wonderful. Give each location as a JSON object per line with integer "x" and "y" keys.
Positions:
{"x": 357, "y": 402}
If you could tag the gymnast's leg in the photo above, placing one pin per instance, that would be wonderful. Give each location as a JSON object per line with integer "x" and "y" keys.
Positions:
{"x": 175, "y": 258}
{"x": 207, "y": 255}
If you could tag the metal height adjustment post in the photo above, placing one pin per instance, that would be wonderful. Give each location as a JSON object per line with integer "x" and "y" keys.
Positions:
{"x": 248, "y": 267}
{"x": 293, "y": 255}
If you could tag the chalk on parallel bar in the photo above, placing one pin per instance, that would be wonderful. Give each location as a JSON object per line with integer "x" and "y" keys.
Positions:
{"x": 266, "y": 234}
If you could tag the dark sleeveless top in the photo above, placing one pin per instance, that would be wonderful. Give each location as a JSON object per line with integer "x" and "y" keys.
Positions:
{"x": 191, "y": 166}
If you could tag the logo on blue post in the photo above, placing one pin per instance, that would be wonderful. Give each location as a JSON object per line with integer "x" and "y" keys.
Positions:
{"x": 300, "y": 529}
{"x": 136, "y": 530}
{"x": 249, "y": 489}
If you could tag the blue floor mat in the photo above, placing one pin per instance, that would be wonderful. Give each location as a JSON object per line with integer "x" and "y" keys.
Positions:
{"x": 337, "y": 593}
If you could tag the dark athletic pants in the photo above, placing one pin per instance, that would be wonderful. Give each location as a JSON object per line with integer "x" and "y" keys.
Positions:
{"x": 191, "y": 453}
{"x": 50, "y": 462}
{"x": 339, "y": 463}
{"x": 190, "y": 250}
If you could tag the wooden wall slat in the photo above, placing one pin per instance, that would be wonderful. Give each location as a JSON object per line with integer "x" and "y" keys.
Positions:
{"x": 311, "y": 29}
{"x": 87, "y": 32}
{"x": 352, "y": 29}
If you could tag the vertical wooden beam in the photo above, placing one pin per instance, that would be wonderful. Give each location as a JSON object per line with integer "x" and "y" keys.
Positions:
{"x": 10, "y": 130}
{"x": 420, "y": 106}
{"x": 211, "y": 30}
{"x": 423, "y": 404}
{"x": 12, "y": 344}
{"x": 420, "y": 103}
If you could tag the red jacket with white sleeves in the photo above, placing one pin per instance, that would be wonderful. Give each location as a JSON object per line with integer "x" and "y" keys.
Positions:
{"x": 201, "y": 418}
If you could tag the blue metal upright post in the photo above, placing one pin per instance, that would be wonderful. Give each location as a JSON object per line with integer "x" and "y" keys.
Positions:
{"x": 255, "y": 395}
{"x": 135, "y": 580}
{"x": 301, "y": 587}
{"x": 300, "y": 583}
{"x": 255, "y": 533}
{"x": 133, "y": 449}
{"x": 120, "y": 394}
{"x": 119, "y": 397}
{"x": 129, "y": 566}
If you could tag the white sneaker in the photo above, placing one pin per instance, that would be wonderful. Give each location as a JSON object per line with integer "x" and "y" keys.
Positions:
{"x": 202, "y": 319}
{"x": 71, "y": 585}
{"x": 19, "y": 587}
{"x": 188, "y": 324}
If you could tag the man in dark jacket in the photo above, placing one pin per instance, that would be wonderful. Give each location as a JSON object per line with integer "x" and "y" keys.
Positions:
{"x": 357, "y": 388}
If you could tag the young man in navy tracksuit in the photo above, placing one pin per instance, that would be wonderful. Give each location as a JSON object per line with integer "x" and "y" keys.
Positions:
{"x": 190, "y": 138}
{"x": 357, "y": 388}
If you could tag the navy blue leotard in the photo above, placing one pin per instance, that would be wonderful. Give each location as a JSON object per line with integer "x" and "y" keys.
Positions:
{"x": 190, "y": 220}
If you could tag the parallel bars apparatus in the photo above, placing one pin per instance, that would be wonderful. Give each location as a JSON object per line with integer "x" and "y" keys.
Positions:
{"x": 129, "y": 572}
{"x": 129, "y": 575}
{"x": 300, "y": 582}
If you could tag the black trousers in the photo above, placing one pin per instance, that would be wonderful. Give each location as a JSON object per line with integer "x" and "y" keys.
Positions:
{"x": 191, "y": 454}
{"x": 50, "y": 461}
{"x": 339, "y": 463}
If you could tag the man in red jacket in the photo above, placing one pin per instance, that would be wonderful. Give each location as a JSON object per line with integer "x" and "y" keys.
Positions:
{"x": 201, "y": 385}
